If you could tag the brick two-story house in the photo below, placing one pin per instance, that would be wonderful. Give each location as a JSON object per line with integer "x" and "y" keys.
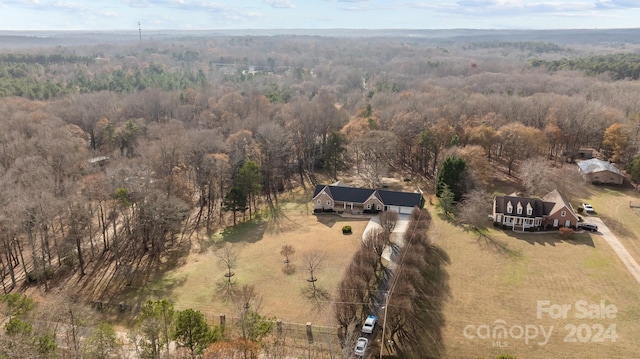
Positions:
{"x": 525, "y": 213}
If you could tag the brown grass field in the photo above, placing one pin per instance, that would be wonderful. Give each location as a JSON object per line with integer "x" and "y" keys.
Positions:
{"x": 502, "y": 275}
{"x": 498, "y": 276}
{"x": 197, "y": 283}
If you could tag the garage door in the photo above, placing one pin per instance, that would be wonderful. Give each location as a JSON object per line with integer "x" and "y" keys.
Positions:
{"x": 406, "y": 210}
{"x": 393, "y": 209}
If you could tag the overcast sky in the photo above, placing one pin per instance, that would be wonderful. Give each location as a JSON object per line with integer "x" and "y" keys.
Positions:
{"x": 317, "y": 14}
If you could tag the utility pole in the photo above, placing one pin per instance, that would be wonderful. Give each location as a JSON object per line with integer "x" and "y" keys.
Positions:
{"x": 384, "y": 321}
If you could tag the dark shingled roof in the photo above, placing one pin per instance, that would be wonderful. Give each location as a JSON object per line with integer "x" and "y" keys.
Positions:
{"x": 405, "y": 199}
{"x": 539, "y": 208}
{"x": 360, "y": 195}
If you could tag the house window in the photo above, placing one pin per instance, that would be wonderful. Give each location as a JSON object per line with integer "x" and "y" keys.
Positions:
{"x": 509, "y": 207}
{"x": 328, "y": 203}
{"x": 519, "y": 208}
{"x": 529, "y": 211}
{"x": 318, "y": 201}
{"x": 563, "y": 213}
{"x": 378, "y": 207}
{"x": 369, "y": 206}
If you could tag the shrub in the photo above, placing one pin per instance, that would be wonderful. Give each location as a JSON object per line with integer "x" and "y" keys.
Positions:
{"x": 35, "y": 275}
{"x": 566, "y": 232}
{"x": 346, "y": 230}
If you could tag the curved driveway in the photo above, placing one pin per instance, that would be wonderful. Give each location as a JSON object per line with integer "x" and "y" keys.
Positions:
{"x": 397, "y": 237}
{"x": 617, "y": 247}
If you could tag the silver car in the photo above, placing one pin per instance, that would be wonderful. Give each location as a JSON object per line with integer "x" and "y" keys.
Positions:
{"x": 361, "y": 346}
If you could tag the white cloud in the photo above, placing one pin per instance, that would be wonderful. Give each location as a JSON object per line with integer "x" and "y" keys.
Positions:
{"x": 506, "y": 7}
{"x": 280, "y": 4}
{"x": 617, "y": 4}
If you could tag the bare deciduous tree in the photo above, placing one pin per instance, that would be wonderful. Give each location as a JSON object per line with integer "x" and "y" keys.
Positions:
{"x": 376, "y": 240}
{"x": 535, "y": 174}
{"x": 287, "y": 250}
{"x": 228, "y": 256}
{"x": 474, "y": 208}
{"x": 388, "y": 220}
{"x": 313, "y": 261}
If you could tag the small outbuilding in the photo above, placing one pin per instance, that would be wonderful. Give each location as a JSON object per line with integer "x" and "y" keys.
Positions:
{"x": 600, "y": 172}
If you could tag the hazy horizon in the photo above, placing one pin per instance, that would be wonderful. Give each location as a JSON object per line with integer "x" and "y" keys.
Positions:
{"x": 204, "y": 15}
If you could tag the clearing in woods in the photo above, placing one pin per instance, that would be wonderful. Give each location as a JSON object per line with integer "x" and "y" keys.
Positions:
{"x": 197, "y": 284}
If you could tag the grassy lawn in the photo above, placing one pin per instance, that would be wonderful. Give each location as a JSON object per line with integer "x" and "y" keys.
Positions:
{"x": 498, "y": 276}
{"x": 197, "y": 283}
{"x": 502, "y": 275}
{"x": 612, "y": 205}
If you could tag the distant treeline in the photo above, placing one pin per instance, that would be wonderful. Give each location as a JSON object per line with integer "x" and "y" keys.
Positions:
{"x": 43, "y": 59}
{"x": 33, "y": 82}
{"x": 528, "y": 46}
{"x": 619, "y": 66}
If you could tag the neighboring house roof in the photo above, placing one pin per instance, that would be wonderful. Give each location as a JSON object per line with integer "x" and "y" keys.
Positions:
{"x": 339, "y": 184}
{"x": 98, "y": 159}
{"x": 595, "y": 165}
{"x": 361, "y": 195}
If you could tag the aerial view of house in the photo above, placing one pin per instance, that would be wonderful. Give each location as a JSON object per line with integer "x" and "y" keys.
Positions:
{"x": 340, "y": 198}
{"x": 525, "y": 213}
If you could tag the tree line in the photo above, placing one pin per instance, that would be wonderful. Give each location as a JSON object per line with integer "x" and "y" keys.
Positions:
{"x": 151, "y": 150}
{"x": 33, "y": 330}
{"x": 620, "y": 66}
{"x": 407, "y": 300}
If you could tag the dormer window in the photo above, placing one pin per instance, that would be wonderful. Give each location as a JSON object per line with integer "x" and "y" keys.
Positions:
{"x": 529, "y": 209}
{"x": 519, "y": 208}
{"x": 509, "y": 207}
{"x": 563, "y": 213}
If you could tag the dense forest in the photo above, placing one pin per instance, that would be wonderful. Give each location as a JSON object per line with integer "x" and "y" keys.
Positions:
{"x": 113, "y": 154}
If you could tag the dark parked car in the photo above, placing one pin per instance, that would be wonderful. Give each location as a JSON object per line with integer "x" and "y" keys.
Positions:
{"x": 588, "y": 227}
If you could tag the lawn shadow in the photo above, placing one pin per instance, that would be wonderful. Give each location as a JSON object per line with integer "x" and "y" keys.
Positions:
{"x": 617, "y": 227}
{"x": 226, "y": 289}
{"x": 279, "y": 222}
{"x": 581, "y": 239}
{"x": 487, "y": 241}
{"x": 251, "y": 232}
{"x": 330, "y": 219}
{"x": 318, "y": 296}
{"x": 550, "y": 238}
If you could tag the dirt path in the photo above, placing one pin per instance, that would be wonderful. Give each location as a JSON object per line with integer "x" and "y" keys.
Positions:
{"x": 617, "y": 247}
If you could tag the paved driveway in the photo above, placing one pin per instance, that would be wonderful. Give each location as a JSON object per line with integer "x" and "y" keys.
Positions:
{"x": 397, "y": 237}
{"x": 618, "y": 248}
